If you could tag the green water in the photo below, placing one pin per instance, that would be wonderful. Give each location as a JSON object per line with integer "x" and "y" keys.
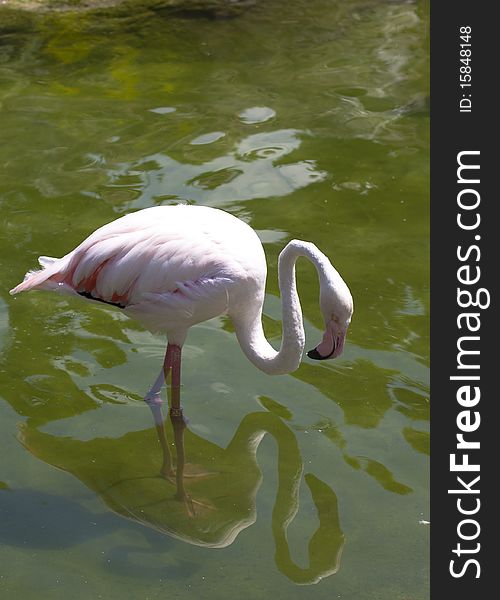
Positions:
{"x": 308, "y": 120}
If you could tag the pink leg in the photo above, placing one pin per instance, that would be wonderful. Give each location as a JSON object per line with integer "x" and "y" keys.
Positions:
{"x": 178, "y": 424}
{"x": 155, "y": 402}
{"x": 167, "y": 363}
{"x": 175, "y": 408}
{"x": 172, "y": 362}
{"x": 152, "y": 398}
{"x": 176, "y": 365}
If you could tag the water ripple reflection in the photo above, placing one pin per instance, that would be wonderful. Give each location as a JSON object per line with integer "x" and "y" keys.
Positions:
{"x": 249, "y": 171}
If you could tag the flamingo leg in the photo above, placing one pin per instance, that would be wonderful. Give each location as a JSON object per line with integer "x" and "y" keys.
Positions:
{"x": 179, "y": 425}
{"x": 172, "y": 363}
{"x": 175, "y": 403}
{"x": 154, "y": 402}
{"x": 152, "y": 398}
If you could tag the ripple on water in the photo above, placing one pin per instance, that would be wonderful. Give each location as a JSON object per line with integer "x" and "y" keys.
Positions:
{"x": 207, "y": 138}
{"x": 163, "y": 110}
{"x": 256, "y": 114}
{"x": 249, "y": 171}
{"x": 269, "y": 145}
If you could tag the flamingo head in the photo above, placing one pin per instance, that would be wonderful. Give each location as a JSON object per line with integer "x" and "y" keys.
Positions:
{"x": 337, "y": 308}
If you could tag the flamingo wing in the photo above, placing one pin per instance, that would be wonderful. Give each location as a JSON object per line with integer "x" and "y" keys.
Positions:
{"x": 169, "y": 266}
{"x": 135, "y": 262}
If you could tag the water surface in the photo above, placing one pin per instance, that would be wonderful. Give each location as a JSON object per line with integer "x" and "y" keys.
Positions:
{"x": 307, "y": 120}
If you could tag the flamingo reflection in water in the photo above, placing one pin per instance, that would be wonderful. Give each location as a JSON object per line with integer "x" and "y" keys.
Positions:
{"x": 219, "y": 496}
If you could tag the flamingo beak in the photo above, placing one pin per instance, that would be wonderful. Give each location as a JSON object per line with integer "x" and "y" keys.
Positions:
{"x": 331, "y": 345}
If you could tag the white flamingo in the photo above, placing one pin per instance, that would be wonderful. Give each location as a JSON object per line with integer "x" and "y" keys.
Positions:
{"x": 171, "y": 267}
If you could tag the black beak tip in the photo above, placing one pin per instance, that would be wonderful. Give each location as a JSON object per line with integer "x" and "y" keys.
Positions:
{"x": 314, "y": 354}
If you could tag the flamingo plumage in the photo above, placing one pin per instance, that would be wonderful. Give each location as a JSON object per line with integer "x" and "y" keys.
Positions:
{"x": 170, "y": 267}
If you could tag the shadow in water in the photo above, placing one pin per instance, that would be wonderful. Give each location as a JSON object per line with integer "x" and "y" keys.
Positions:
{"x": 35, "y": 519}
{"x": 215, "y": 497}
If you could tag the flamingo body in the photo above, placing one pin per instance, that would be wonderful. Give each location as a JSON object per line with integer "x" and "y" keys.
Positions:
{"x": 171, "y": 267}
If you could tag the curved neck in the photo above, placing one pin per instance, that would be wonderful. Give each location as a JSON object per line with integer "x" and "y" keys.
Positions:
{"x": 248, "y": 325}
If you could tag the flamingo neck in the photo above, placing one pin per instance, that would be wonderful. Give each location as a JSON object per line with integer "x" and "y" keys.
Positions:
{"x": 248, "y": 326}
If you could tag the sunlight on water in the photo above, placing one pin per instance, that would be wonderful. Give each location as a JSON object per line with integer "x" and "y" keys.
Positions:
{"x": 309, "y": 122}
